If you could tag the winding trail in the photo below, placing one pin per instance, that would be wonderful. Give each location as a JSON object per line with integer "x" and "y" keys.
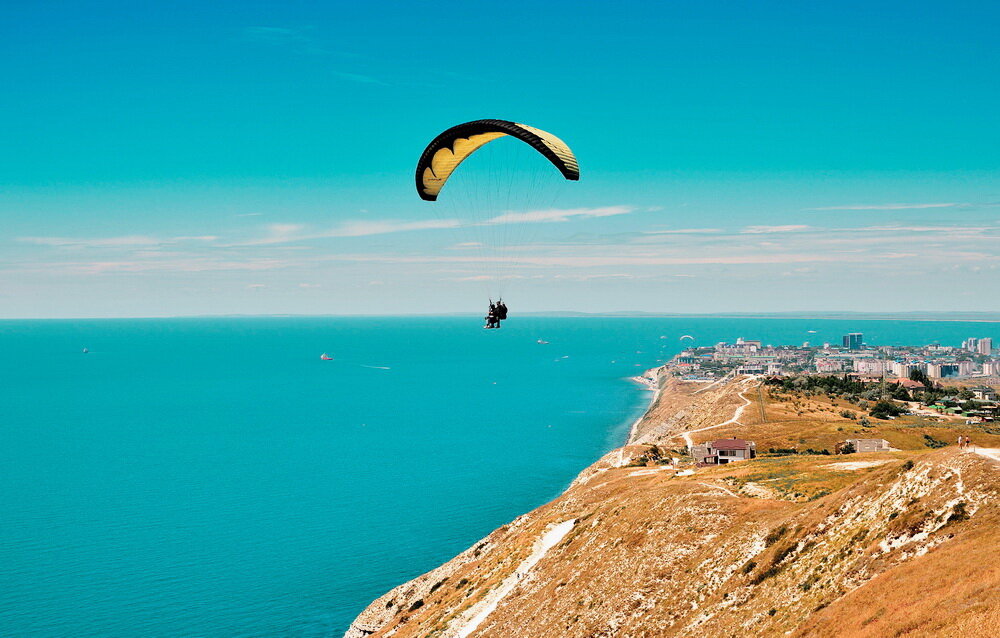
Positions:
{"x": 990, "y": 453}
{"x": 714, "y": 383}
{"x": 735, "y": 419}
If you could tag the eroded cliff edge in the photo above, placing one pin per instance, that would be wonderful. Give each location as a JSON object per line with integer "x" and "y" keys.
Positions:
{"x": 900, "y": 545}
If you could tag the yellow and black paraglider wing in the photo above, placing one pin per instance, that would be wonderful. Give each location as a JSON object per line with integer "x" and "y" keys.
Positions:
{"x": 449, "y": 149}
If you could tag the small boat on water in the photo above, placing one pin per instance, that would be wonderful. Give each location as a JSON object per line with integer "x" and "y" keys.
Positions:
{"x": 86, "y": 350}
{"x": 542, "y": 341}
{"x": 325, "y": 357}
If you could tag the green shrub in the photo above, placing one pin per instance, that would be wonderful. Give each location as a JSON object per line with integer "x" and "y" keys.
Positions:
{"x": 933, "y": 443}
{"x": 885, "y": 409}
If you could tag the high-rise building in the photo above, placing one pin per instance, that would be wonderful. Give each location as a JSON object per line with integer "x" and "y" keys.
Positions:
{"x": 853, "y": 341}
{"x": 903, "y": 369}
{"x": 949, "y": 370}
{"x": 985, "y": 346}
{"x": 971, "y": 344}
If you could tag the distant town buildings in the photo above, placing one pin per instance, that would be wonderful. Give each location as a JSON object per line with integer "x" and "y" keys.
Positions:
{"x": 869, "y": 367}
{"x": 985, "y": 346}
{"x": 904, "y": 368}
{"x": 830, "y": 365}
{"x": 984, "y": 393}
{"x": 982, "y": 345}
{"x": 853, "y": 341}
{"x": 854, "y": 357}
{"x": 942, "y": 370}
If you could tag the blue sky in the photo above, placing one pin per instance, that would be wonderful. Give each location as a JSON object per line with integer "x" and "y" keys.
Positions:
{"x": 214, "y": 158}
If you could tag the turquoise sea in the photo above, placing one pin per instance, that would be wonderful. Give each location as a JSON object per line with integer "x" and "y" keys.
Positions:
{"x": 214, "y": 477}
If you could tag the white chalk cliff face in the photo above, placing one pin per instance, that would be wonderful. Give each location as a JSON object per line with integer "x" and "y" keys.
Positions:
{"x": 629, "y": 553}
{"x": 901, "y": 544}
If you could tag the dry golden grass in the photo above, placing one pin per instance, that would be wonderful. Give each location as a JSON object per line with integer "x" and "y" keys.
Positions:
{"x": 815, "y": 422}
{"x": 951, "y": 591}
{"x": 823, "y": 551}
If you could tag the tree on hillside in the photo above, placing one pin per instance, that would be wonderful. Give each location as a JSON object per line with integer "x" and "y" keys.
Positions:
{"x": 885, "y": 409}
{"x": 921, "y": 377}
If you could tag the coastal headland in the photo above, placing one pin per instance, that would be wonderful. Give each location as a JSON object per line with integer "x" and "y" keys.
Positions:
{"x": 797, "y": 541}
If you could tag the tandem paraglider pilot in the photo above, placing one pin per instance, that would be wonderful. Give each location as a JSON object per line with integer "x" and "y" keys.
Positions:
{"x": 496, "y": 314}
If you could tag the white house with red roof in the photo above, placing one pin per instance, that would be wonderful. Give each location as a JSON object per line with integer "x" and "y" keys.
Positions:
{"x": 724, "y": 451}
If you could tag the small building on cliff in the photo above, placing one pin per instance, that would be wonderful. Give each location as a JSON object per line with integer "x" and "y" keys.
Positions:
{"x": 723, "y": 451}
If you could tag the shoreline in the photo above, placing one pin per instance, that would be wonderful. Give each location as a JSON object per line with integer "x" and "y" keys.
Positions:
{"x": 650, "y": 380}
{"x": 647, "y": 427}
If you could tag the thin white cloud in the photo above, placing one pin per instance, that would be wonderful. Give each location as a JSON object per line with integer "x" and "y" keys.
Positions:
{"x": 488, "y": 277}
{"x": 891, "y": 206}
{"x": 124, "y": 241}
{"x": 683, "y": 231}
{"x": 302, "y": 41}
{"x": 951, "y": 230}
{"x": 183, "y": 264}
{"x": 365, "y": 228}
{"x": 296, "y": 40}
{"x": 581, "y": 261}
{"x": 358, "y": 77}
{"x": 761, "y": 230}
{"x": 285, "y": 233}
{"x": 560, "y": 214}
{"x": 93, "y": 242}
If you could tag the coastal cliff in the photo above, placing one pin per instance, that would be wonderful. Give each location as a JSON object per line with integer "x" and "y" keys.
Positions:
{"x": 639, "y": 545}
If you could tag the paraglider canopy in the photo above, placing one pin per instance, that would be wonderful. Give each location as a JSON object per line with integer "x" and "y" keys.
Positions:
{"x": 449, "y": 149}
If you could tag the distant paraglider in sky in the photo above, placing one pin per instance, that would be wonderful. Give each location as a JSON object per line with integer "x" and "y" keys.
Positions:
{"x": 496, "y": 199}
{"x": 687, "y": 337}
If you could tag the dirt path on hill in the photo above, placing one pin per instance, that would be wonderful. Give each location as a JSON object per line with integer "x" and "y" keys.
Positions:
{"x": 990, "y": 453}
{"x": 735, "y": 418}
